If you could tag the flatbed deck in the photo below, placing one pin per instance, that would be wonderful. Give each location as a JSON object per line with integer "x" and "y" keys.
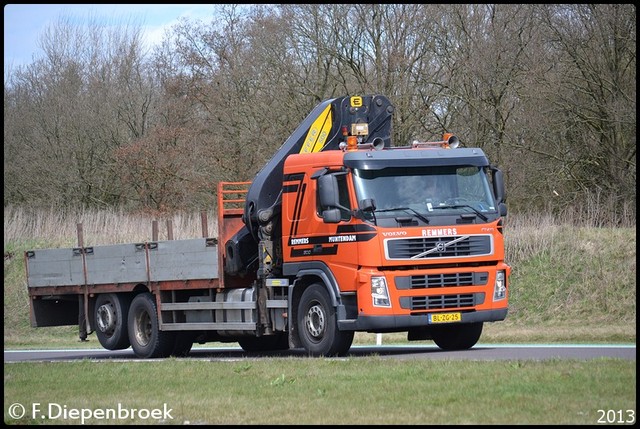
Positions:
{"x": 122, "y": 264}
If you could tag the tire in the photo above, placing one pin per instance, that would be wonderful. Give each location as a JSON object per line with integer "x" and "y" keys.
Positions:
{"x": 457, "y": 337}
{"x": 182, "y": 344}
{"x": 317, "y": 324}
{"x": 146, "y": 338}
{"x": 265, "y": 343}
{"x": 110, "y": 315}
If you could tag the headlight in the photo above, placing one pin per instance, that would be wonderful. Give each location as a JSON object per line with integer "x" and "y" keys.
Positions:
{"x": 500, "y": 287}
{"x": 379, "y": 292}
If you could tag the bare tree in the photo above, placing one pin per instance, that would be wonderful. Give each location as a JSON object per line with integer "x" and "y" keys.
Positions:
{"x": 67, "y": 109}
{"x": 548, "y": 91}
{"x": 590, "y": 94}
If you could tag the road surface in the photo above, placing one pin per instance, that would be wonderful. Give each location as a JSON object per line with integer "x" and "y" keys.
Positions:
{"x": 482, "y": 352}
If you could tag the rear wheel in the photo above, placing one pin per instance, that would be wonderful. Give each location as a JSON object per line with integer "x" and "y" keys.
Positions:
{"x": 457, "y": 337}
{"x": 182, "y": 344}
{"x": 147, "y": 340}
{"x": 111, "y": 313}
{"x": 317, "y": 324}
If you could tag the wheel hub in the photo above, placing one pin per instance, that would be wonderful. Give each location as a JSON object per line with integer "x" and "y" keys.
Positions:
{"x": 106, "y": 318}
{"x": 315, "y": 321}
{"x": 143, "y": 328}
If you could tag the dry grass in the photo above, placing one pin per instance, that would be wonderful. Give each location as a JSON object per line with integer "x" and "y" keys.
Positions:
{"x": 57, "y": 228}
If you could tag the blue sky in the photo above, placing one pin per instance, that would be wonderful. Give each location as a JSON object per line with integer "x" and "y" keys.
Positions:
{"x": 24, "y": 23}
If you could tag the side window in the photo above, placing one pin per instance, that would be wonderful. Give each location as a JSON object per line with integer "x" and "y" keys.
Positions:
{"x": 343, "y": 199}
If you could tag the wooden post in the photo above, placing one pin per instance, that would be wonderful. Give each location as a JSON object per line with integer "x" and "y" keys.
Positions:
{"x": 83, "y": 303}
{"x": 169, "y": 229}
{"x": 80, "y": 234}
{"x": 205, "y": 227}
{"x": 154, "y": 230}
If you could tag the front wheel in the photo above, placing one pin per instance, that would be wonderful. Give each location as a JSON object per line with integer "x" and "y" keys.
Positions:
{"x": 147, "y": 340}
{"x": 457, "y": 337}
{"x": 317, "y": 324}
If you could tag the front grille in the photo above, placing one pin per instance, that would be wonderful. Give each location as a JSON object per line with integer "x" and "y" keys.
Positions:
{"x": 441, "y": 280}
{"x": 438, "y": 247}
{"x": 439, "y": 302}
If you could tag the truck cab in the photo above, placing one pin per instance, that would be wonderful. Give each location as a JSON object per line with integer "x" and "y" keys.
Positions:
{"x": 402, "y": 239}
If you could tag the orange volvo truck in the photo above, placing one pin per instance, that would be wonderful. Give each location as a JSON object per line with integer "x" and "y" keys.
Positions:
{"x": 340, "y": 232}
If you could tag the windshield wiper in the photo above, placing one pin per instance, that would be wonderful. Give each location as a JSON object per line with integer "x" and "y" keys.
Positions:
{"x": 457, "y": 206}
{"x": 416, "y": 213}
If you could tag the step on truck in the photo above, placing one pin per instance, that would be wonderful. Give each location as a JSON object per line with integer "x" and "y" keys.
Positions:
{"x": 340, "y": 232}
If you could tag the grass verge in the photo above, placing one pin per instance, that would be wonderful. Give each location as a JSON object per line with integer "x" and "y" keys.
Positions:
{"x": 299, "y": 391}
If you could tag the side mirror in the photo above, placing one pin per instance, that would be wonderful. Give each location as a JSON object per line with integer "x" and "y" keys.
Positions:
{"x": 329, "y": 199}
{"x": 498, "y": 186}
{"x": 331, "y": 216}
{"x": 367, "y": 205}
{"x": 328, "y": 191}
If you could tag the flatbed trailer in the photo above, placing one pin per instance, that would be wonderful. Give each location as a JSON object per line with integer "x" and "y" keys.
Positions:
{"x": 94, "y": 286}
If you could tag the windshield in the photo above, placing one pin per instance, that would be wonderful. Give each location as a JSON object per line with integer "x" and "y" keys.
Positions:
{"x": 424, "y": 194}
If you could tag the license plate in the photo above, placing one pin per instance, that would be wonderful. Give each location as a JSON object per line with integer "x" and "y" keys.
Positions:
{"x": 445, "y": 317}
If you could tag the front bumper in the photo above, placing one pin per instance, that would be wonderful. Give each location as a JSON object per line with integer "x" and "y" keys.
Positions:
{"x": 400, "y": 323}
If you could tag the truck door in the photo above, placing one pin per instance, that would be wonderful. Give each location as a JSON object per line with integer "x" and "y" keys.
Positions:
{"x": 321, "y": 231}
